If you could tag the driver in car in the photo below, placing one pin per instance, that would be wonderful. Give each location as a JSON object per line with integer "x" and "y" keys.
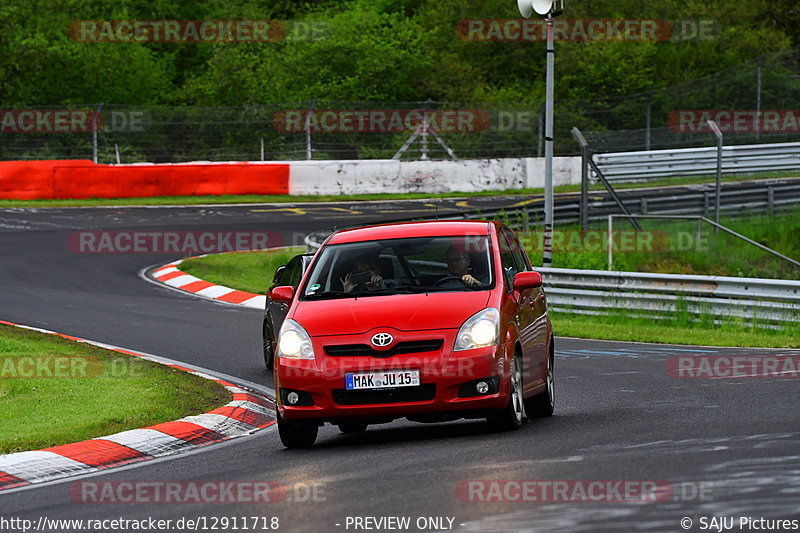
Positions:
{"x": 458, "y": 266}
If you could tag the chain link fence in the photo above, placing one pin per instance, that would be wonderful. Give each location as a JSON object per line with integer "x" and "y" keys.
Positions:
{"x": 295, "y": 131}
{"x": 335, "y": 130}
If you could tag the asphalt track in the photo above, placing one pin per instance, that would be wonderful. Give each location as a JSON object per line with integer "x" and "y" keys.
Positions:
{"x": 619, "y": 414}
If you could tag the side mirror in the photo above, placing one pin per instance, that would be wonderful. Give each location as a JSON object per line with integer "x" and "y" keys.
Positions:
{"x": 278, "y": 273}
{"x": 527, "y": 280}
{"x": 283, "y": 294}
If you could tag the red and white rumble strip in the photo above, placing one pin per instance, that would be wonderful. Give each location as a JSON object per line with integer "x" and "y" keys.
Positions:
{"x": 171, "y": 275}
{"x": 246, "y": 413}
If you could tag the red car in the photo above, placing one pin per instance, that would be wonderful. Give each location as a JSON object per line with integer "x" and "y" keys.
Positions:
{"x": 431, "y": 321}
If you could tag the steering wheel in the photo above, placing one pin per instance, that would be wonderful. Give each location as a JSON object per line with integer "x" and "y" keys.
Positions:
{"x": 448, "y": 278}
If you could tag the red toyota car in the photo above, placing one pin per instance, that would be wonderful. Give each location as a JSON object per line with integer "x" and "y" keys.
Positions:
{"x": 430, "y": 321}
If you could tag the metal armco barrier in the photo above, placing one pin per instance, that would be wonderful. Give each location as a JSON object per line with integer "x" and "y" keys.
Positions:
{"x": 641, "y": 166}
{"x": 659, "y": 295}
{"x": 751, "y": 197}
{"x": 596, "y": 292}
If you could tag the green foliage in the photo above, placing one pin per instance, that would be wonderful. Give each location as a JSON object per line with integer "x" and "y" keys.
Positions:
{"x": 378, "y": 50}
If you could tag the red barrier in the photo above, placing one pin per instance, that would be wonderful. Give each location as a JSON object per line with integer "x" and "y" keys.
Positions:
{"x": 29, "y": 180}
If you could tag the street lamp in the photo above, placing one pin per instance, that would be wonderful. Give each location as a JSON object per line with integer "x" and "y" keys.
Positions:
{"x": 547, "y": 9}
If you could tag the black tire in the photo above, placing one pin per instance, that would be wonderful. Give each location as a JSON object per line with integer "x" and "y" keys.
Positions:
{"x": 544, "y": 404}
{"x": 510, "y": 417}
{"x": 353, "y": 426}
{"x": 300, "y": 434}
{"x": 269, "y": 353}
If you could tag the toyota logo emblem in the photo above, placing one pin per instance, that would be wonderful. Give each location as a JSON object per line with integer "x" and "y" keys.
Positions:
{"x": 382, "y": 339}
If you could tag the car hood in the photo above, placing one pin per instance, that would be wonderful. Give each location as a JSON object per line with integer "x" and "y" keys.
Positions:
{"x": 405, "y": 312}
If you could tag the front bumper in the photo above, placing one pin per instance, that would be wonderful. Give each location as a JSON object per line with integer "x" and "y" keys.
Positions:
{"x": 321, "y": 382}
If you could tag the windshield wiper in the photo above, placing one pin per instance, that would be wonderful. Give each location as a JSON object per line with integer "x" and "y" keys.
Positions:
{"x": 390, "y": 290}
{"x": 330, "y": 295}
{"x": 410, "y": 289}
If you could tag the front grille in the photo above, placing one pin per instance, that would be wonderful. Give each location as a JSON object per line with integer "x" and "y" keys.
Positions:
{"x": 401, "y": 348}
{"x": 423, "y": 393}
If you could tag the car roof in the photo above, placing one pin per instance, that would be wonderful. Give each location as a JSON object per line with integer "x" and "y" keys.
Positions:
{"x": 441, "y": 228}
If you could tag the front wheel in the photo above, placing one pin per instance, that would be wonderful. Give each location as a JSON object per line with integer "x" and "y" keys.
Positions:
{"x": 300, "y": 434}
{"x": 543, "y": 405}
{"x": 511, "y": 416}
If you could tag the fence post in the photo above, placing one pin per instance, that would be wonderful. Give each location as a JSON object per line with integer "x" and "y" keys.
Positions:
{"x": 423, "y": 147}
{"x": 718, "y": 133}
{"x": 770, "y": 200}
{"x": 758, "y": 98}
{"x": 648, "y": 115}
{"x": 262, "y": 148}
{"x": 308, "y": 129}
{"x": 610, "y": 241}
{"x": 584, "y": 210}
{"x": 94, "y": 133}
{"x": 116, "y": 152}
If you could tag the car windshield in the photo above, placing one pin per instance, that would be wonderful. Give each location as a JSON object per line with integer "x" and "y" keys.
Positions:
{"x": 401, "y": 266}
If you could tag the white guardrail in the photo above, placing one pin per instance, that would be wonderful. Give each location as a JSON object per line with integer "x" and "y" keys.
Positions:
{"x": 595, "y": 292}
{"x": 636, "y": 166}
{"x": 659, "y": 295}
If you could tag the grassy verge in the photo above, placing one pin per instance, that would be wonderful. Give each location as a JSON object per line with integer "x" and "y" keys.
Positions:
{"x": 669, "y": 246}
{"x": 624, "y": 328}
{"x": 246, "y": 271}
{"x": 285, "y": 198}
{"x": 56, "y": 391}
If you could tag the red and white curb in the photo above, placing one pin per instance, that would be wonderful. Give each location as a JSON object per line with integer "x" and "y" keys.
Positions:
{"x": 248, "y": 412}
{"x": 172, "y": 276}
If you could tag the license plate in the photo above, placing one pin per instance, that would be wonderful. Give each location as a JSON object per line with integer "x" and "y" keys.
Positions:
{"x": 382, "y": 380}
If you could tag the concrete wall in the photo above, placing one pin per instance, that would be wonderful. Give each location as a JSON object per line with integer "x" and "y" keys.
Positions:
{"x": 390, "y": 176}
{"x": 84, "y": 179}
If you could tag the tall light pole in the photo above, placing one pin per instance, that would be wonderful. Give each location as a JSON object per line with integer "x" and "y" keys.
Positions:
{"x": 547, "y": 9}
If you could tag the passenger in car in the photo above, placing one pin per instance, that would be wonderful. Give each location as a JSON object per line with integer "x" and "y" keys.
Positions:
{"x": 365, "y": 276}
{"x": 458, "y": 266}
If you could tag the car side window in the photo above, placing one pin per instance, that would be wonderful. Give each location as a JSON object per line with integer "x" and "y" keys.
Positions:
{"x": 507, "y": 260}
{"x": 520, "y": 259}
{"x": 292, "y": 274}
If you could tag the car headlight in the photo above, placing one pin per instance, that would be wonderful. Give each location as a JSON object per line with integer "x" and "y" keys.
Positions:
{"x": 481, "y": 329}
{"x": 294, "y": 342}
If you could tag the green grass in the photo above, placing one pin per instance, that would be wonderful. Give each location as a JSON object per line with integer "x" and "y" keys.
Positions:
{"x": 246, "y": 271}
{"x": 56, "y": 391}
{"x": 285, "y": 198}
{"x": 718, "y": 255}
{"x": 625, "y": 328}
